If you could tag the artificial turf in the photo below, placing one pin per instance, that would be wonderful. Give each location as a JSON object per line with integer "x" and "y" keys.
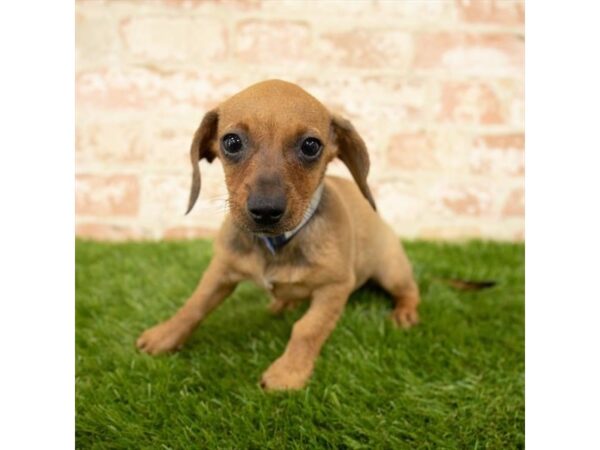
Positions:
{"x": 454, "y": 381}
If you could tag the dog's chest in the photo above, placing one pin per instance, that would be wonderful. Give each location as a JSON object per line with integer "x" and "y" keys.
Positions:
{"x": 286, "y": 274}
{"x": 284, "y": 282}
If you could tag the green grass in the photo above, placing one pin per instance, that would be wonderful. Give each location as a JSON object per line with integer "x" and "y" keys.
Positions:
{"x": 455, "y": 381}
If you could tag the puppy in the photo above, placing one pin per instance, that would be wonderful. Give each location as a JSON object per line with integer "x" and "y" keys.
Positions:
{"x": 294, "y": 231}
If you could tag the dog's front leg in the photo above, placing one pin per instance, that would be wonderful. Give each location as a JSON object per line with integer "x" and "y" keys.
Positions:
{"x": 293, "y": 369}
{"x": 214, "y": 287}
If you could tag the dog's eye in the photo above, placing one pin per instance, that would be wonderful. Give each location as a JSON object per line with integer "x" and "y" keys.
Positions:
{"x": 310, "y": 148}
{"x": 232, "y": 144}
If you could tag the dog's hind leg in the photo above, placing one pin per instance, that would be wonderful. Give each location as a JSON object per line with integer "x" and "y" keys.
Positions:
{"x": 395, "y": 275}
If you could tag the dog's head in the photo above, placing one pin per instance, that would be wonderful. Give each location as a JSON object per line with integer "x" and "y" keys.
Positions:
{"x": 275, "y": 141}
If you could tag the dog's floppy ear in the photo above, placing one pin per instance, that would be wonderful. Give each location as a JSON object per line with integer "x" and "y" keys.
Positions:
{"x": 353, "y": 152}
{"x": 202, "y": 148}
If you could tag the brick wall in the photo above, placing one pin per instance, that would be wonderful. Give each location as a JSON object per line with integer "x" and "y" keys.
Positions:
{"x": 434, "y": 87}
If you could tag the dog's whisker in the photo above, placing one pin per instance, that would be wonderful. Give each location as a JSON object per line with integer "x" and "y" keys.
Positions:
{"x": 217, "y": 198}
{"x": 222, "y": 206}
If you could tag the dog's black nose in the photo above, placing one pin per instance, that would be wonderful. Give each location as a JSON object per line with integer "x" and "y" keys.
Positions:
{"x": 266, "y": 210}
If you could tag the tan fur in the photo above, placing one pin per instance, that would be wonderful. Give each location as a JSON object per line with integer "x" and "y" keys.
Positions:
{"x": 345, "y": 244}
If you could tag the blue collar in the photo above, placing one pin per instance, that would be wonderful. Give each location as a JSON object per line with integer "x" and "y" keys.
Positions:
{"x": 274, "y": 243}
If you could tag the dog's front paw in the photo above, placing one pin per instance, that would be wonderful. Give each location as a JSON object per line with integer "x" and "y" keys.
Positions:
{"x": 162, "y": 338}
{"x": 282, "y": 375}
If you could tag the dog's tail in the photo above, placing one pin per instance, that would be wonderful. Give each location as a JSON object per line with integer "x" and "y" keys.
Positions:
{"x": 467, "y": 285}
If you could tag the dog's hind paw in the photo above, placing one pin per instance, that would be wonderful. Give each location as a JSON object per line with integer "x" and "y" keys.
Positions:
{"x": 278, "y": 307}
{"x": 405, "y": 316}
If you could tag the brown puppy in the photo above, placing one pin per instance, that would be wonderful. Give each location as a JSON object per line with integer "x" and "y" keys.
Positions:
{"x": 292, "y": 230}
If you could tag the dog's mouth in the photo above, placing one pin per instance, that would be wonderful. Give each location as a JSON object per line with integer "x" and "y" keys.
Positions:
{"x": 284, "y": 226}
{"x": 269, "y": 231}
